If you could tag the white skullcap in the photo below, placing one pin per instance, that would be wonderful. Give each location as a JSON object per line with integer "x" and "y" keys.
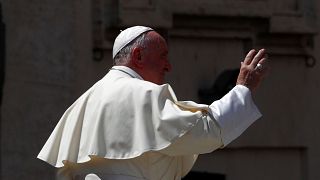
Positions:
{"x": 126, "y": 36}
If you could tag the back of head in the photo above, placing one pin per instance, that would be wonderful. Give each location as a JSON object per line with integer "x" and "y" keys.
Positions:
{"x": 124, "y": 41}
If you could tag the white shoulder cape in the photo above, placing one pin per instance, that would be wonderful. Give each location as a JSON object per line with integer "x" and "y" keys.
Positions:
{"x": 120, "y": 117}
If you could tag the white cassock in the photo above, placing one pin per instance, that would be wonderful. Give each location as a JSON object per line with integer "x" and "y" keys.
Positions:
{"x": 126, "y": 128}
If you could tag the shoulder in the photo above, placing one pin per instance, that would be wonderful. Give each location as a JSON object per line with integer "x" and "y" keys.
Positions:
{"x": 138, "y": 88}
{"x": 142, "y": 85}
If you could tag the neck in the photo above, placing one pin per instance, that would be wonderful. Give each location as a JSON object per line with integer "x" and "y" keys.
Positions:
{"x": 131, "y": 66}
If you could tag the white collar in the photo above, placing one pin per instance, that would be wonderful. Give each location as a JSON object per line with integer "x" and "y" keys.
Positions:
{"x": 128, "y": 71}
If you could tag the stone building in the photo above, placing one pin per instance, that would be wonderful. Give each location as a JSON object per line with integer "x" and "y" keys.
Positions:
{"x": 54, "y": 50}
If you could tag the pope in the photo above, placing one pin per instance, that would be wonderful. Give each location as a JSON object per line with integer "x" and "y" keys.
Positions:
{"x": 130, "y": 126}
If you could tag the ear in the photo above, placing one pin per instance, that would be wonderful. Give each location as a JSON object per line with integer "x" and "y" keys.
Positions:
{"x": 136, "y": 57}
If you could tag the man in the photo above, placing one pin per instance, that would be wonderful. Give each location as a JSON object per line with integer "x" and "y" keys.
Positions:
{"x": 130, "y": 126}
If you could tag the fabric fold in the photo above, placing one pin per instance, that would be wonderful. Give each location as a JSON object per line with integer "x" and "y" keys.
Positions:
{"x": 121, "y": 117}
{"x": 145, "y": 114}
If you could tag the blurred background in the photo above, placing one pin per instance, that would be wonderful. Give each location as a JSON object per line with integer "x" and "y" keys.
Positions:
{"x": 51, "y": 51}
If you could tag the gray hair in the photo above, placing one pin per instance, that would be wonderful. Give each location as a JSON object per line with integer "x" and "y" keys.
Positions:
{"x": 124, "y": 54}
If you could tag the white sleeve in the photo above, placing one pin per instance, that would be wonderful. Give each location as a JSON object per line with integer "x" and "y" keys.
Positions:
{"x": 227, "y": 119}
{"x": 204, "y": 137}
{"x": 234, "y": 113}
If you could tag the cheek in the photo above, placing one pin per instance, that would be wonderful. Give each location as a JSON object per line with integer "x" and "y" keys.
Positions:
{"x": 157, "y": 64}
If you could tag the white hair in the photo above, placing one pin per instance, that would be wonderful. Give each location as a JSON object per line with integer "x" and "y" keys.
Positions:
{"x": 124, "y": 55}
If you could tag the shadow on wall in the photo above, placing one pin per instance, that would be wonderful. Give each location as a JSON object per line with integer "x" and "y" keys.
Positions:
{"x": 222, "y": 85}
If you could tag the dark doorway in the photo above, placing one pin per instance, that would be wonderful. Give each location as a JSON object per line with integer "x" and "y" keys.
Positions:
{"x": 194, "y": 175}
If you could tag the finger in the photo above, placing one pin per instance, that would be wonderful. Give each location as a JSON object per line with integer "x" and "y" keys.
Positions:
{"x": 249, "y": 57}
{"x": 266, "y": 56}
{"x": 258, "y": 57}
{"x": 264, "y": 61}
{"x": 263, "y": 66}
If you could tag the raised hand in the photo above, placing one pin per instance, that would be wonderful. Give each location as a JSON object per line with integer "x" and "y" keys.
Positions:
{"x": 253, "y": 69}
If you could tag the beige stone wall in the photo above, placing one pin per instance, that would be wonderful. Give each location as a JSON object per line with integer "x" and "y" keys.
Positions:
{"x": 50, "y": 62}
